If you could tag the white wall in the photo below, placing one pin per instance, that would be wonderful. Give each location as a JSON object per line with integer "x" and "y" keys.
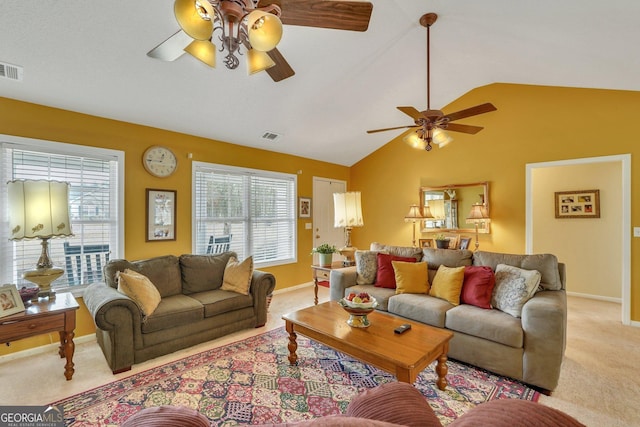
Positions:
{"x": 591, "y": 248}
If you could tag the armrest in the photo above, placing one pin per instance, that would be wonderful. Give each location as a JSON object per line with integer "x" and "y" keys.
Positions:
{"x": 544, "y": 321}
{"x": 339, "y": 280}
{"x": 103, "y": 301}
{"x": 262, "y": 285}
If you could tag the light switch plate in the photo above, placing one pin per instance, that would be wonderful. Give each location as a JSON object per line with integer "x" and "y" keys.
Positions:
{"x": 636, "y": 231}
{"x": 307, "y": 226}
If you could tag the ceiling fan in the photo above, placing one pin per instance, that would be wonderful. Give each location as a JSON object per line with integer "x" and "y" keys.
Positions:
{"x": 254, "y": 26}
{"x": 429, "y": 123}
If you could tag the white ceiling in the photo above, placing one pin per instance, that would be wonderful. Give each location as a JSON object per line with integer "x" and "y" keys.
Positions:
{"x": 90, "y": 57}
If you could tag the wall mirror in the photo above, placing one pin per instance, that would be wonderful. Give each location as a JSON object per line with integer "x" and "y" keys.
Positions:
{"x": 450, "y": 205}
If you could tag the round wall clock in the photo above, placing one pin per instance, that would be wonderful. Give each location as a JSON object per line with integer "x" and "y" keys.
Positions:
{"x": 159, "y": 161}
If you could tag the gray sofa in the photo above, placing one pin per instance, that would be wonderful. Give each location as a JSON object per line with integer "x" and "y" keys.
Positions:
{"x": 192, "y": 308}
{"x": 529, "y": 349}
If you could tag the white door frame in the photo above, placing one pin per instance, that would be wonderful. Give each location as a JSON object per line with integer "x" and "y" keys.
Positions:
{"x": 625, "y": 213}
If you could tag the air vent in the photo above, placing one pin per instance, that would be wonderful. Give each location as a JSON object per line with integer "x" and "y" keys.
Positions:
{"x": 271, "y": 136}
{"x": 11, "y": 72}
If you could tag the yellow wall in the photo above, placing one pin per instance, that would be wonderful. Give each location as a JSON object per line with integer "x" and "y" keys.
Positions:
{"x": 532, "y": 124}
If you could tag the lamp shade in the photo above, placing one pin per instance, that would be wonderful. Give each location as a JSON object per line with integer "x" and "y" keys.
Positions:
{"x": 258, "y": 61}
{"x": 265, "y": 30}
{"x": 195, "y": 17}
{"x": 203, "y": 50}
{"x": 438, "y": 136}
{"x": 478, "y": 213}
{"x": 38, "y": 209}
{"x": 348, "y": 209}
{"x": 415, "y": 213}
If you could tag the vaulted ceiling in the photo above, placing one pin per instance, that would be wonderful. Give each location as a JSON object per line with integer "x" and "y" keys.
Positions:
{"x": 90, "y": 57}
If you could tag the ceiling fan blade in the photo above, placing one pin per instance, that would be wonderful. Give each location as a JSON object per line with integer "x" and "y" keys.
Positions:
{"x": 411, "y": 112}
{"x": 282, "y": 70}
{"x": 457, "y": 127}
{"x": 338, "y": 15}
{"x": 473, "y": 111}
{"x": 172, "y": 48}
{"x": 386, "y": 129}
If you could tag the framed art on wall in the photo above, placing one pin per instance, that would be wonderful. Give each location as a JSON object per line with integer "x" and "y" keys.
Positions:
{"x": 577, "y": 204}
{"x": 161, "y": 215}
{"x": 10, "y": 301}
{"x": 304, "y": 207}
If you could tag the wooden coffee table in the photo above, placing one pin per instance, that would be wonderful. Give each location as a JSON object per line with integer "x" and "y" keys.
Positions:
{"x": 404, "y": 355}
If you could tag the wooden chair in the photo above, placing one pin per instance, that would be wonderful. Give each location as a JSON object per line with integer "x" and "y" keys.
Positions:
{"x": 95, "y": 258}
{"x": 218, "y": 245}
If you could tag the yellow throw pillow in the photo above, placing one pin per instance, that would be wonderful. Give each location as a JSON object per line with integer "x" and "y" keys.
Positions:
{"x": 411, "y": 277}
{"x": 139, "y": 288}
{"x": 237, "y": 275}
{"x": 447, "y": 284}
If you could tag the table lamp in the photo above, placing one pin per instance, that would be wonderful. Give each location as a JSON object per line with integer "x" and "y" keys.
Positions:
{"x": 348, "y": 214}
{"x": 478, "y": 215}
{"x": 39, "y": 209}
{"x": 415, "y": 215}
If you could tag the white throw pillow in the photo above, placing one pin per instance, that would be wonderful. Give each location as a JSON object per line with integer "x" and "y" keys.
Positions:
{"x": 366, "y": 267}
{"x": 514, "y": 287}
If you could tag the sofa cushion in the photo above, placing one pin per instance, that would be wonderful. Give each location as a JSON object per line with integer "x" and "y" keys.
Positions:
{"x": 451, "y": 258}
{"x": 161, "y": 416}
{"x": 385, "y": 277}
{"x": 163, "y": 271}
{"x": 403, "y": 251}
{"x": 546, "y": 264}
{"x": 381, "y": 295}
{"x": 492, "y": 325}
{"x": 140, "y": 289}
{"x": 237, "y": 275}
{"x": 366, "y": 267}
{"x": 396, "y": 402}
{"x": 173, "y": 311}
{"x": 447, "y": 284}
{"x": 203, "y": 272}
{"x": 411, "y": 277}
{"x": 421, "y": 308}
{"x": 477, "y": 286}
{"x": 218, "y": 301}
{"x": 514, "y": 286}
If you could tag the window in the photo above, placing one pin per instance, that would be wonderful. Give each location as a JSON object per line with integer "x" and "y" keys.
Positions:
{"x": 95, "y": 176}
{"x": 248, "y": 211}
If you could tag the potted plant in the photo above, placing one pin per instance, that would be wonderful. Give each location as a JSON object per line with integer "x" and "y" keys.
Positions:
{"x": 442, "y": 242}
{"x": 325, "y": 254}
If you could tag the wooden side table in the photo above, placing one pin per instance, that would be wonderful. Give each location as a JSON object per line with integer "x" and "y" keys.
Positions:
{"x": 45, "y": 316}
{"x": 321, "y": 273}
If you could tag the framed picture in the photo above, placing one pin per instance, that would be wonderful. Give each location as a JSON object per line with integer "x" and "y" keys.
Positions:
{"x": 304, "y": 207}
{"x": 10, "y": 301}
{"x": 577, "y": 204}
{"x": 426, "y": 243}
{"x": 464, "y": 242}
{"x": 453, "y": 241}
{"x": 161, "y": 215}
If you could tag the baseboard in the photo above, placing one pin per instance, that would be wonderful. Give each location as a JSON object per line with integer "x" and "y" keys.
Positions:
{"x": 293, "y": 288}
{"x": 44, "y": 348}
{"x": 596, "y": 297}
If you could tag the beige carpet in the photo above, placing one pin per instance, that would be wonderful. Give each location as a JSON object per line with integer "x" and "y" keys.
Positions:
{"x": 598, "y": 385}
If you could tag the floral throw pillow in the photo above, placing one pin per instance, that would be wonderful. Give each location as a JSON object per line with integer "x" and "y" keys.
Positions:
{"x": 514, "y": 286}
{"x": 366, "y": 267}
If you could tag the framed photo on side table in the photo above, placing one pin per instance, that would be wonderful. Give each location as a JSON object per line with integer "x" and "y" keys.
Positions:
{"x": 161, "y": 215}
{"x": 426, "y": 243}
{"x": 464, "y": 242}
{"x": 304, "y": 207}
{"x": 577, "y": 204}
{"x": 10, "y": 301}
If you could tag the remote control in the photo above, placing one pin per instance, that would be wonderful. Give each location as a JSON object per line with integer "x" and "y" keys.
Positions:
{"x": 402, "y": 328}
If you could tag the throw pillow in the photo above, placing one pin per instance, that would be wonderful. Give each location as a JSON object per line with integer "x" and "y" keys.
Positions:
{"x": 411, "y": 277}
{"x": 385, "y": 276}
{"x": 477, "y": 286}
{"x": 447, "y": 284}
{"x": 237, "y": 275}
{"x": 366, "y": 267}
{"x": 514, "y": 287}
{"x": 139, "y": 288}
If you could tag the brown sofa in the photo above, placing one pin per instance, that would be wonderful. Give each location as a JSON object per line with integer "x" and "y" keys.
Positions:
{"x": 192, "y": 309}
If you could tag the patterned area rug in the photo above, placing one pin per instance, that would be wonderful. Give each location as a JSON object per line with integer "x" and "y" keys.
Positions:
{"x": 251, "y": 382}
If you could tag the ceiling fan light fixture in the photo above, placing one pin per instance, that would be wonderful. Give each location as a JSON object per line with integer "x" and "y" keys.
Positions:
{"x": 265, "y": 30}
{"x": 441, "y": 137}
{"x": 204, "y": 51}
{"x": 258, "y": 61}
{"x": 195, "y": 17}
{"x": 415, "y": 141}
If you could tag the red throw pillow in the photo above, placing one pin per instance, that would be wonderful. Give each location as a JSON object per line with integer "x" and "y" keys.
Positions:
{"x": 385, "y": 276}
{"x": 477, "y": 286}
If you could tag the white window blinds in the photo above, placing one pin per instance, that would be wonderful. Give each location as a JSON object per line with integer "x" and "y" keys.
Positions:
{"x": 94, "y": 203}
{"x": 250, "y": 212}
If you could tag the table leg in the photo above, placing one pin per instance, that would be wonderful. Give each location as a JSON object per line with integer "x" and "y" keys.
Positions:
{"x": 442, "y": 370}
{"x": 315, "y": 291}
{"x": 69, "y": 349}
{"x": 62, "y": 343}
{"x": 293, "y": 345}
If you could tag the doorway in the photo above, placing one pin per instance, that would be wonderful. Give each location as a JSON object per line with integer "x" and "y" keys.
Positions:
{"x": 616, "y": 211}
{"x": 323, "y": 216}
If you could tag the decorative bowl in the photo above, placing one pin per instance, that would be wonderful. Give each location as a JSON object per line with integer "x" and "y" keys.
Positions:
{"x": 358, "y": 312}
{"x": 28, "y": 293}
